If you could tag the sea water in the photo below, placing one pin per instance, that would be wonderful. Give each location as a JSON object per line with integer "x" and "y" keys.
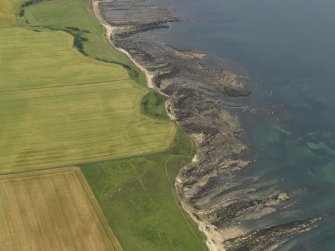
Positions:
{"x": 287, "y": 49}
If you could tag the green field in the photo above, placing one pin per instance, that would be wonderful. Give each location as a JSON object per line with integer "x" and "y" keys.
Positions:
{"x": 60, "y": 108}
{"x": 77, "y": 18}
{"x": 137, "y": 196}
{"x": 69, "y": 98}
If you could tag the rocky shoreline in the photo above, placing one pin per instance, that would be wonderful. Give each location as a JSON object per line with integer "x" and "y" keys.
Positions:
{"x": 206, "y": 101}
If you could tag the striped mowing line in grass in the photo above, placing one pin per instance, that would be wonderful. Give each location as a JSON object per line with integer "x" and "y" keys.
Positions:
{"x": 68, "y": 110}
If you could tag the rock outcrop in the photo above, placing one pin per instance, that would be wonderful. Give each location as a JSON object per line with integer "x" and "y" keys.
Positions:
{"x": 206, "y": 101}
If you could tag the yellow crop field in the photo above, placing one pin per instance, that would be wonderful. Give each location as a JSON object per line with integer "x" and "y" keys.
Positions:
{"x": 60, "y": 108}
{"x": 51, "y": 210}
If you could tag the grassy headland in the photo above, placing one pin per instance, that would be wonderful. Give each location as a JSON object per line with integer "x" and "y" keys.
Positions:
{"x": 138, "y": 198}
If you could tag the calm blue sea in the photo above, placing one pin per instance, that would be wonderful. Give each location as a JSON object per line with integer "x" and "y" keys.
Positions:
{"x": 287, "y": 48}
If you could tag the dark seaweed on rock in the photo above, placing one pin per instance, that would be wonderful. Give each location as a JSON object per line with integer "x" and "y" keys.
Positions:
{"x": 266, "y": 238}
{"x": 206, "y": 102}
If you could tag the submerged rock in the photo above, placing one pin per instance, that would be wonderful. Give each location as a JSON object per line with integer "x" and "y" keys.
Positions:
{"x": 267, "y": 238}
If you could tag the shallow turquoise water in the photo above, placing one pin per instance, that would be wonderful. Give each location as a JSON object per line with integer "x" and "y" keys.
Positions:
{"x": 287, "y": 47}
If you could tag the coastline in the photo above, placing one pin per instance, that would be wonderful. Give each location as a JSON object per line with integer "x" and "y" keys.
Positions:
{"x": 109, "y": 34}
{"x": 208, "y": 114}
{"x": 213, "y": 239}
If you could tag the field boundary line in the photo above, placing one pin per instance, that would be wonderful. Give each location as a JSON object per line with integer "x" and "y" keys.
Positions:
{"x": 65, "y": 85}
{"x": 79, "y": 164}
{"x": 99, "y": 213}
{"x": 52, "y": 180}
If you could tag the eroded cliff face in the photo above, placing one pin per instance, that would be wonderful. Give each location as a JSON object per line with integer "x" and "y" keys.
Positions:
{"x": 206, "y": 102}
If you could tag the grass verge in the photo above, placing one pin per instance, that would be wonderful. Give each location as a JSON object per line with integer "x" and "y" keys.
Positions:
{"x": 138, "y": 198}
